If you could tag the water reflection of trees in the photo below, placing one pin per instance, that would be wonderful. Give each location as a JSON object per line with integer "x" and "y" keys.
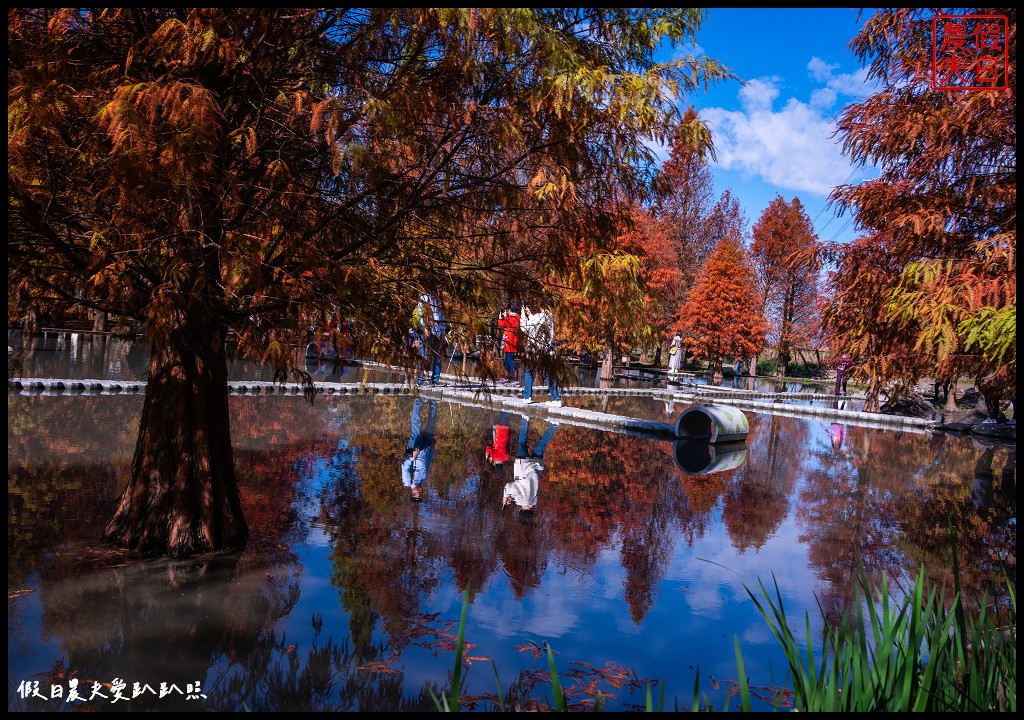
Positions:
{"x": 884, "y": 502}
{"x": 52, "y": 443}
{"x": 757, "y": 503}
{"x": 883, "y": 497}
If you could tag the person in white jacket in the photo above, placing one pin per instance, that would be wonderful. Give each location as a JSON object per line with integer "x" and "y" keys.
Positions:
{"x": 527, "y": 469}
{"x": 539, "y": 329}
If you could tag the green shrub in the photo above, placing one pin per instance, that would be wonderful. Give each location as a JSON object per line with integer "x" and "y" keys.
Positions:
{"x": 807, "y": 370}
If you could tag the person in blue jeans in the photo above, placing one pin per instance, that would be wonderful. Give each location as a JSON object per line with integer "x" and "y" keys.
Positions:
{"x": 522, "y": 491}
{"x": 539, "y": 329}
{"x": 430, "y": 323}
{"x": 419, "y": 452}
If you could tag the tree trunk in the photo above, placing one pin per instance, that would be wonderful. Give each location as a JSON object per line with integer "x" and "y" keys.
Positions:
{"x": 991, "y": 394}
{"x": 182, "y": 497}
{"x": 871, "y": 403}
{"x": 608, "y": 363}
{"x": 951, "y": 396}
{"x": 100, "y": 322}
{"x": 30, "y": 324}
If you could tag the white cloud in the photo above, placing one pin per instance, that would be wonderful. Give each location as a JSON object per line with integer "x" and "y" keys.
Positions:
{"x": 853, "y": 84}
{"x": 791, "y": 148}
{"x": 820, "y": 70}
{"x": 824, "y": 98}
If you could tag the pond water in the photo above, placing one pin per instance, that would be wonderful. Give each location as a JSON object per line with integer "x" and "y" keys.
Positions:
{"x": 634, "y": 565}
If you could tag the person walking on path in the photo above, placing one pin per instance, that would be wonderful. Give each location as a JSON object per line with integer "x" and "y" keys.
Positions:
{"x": 430, "y": 324}
{"x": 539, "y": 329}
{"x": 419, "y": 451}
{"x": 675, "y": 353}
{"x": 509, "y": 322}
{"x": 527, "y": 470}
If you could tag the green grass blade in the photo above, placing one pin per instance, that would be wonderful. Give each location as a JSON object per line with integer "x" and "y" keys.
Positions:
{"x": 556, "y": 686}
{"x": 744, "y": 687}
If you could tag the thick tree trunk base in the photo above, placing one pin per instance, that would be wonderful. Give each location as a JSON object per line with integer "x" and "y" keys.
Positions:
{"x": 182, "y": 498}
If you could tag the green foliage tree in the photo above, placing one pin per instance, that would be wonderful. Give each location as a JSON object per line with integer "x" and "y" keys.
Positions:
{"x": 243, "y": 174}
{"x": 685, "y": 198}
{"x": 615, "y": 297}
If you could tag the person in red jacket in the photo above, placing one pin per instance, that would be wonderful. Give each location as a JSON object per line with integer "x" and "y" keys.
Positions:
{"x": 508, "y": 321}
{"x": 497, "y": 451}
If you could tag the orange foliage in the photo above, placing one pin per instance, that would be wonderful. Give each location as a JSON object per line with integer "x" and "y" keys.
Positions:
{"x": 723, "y": 315}
{"x": 782, "y": 255}
{"x": 940, "y": 219}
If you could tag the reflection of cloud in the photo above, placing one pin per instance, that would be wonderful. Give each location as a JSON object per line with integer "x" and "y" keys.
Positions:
{"x": 548, "y": 614}
{"x": 715, "y": 575}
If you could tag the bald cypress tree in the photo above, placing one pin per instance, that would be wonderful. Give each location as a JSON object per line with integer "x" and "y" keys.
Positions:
{"x": 231, "y": 177}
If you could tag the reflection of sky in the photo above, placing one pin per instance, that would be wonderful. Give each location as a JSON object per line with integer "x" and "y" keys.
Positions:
{"x": 698, "y": 605}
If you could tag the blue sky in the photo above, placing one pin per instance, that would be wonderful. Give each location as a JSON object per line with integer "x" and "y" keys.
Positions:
{"x": 774, "y": 135}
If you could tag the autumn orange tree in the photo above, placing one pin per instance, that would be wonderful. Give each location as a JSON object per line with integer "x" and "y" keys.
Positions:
{"x": 722, "y": 315}
{"x": 684, "y": 202}
{"x": 246, "y": 174}
{"x": 782, "y": 254}
{"x": 939, "y": 223}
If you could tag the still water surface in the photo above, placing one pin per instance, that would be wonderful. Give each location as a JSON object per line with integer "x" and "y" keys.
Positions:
{"x": 348, "y": 597}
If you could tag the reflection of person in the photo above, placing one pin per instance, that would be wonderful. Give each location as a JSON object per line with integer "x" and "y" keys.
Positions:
{"x": 430, "y": 325}
{"x": 420, "y": 451}
{"x": 539, "y": 328}
{"x": 508, "y": 321}
{"x": 497, "y": 452}
{"x": 675, "y": 353}
{"x": 527, "y": 470}
{"x": 838, "y": 433}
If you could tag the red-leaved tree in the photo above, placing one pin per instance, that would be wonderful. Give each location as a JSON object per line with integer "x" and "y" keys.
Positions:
{"x": 722, "y": 315}
{"x": 787, "y": 274}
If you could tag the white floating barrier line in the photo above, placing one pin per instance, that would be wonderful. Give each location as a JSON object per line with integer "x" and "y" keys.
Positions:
{"x": 508, "y": 396}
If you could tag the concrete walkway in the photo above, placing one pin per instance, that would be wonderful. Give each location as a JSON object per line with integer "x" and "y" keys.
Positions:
{"x": 473, "y": 392}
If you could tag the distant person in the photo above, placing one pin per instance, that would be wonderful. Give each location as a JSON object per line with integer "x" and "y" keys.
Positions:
{"x": 419, "y": 452}
{"x": 675, "y": 354}
{"x": 842, "y": 373}
{"x": 430, "y": 325}
{"x": 522, "y": 491}
{"x": 539, "y": 330}
{"x": 497, "y": 452}
{"x": 509, "y": 323}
